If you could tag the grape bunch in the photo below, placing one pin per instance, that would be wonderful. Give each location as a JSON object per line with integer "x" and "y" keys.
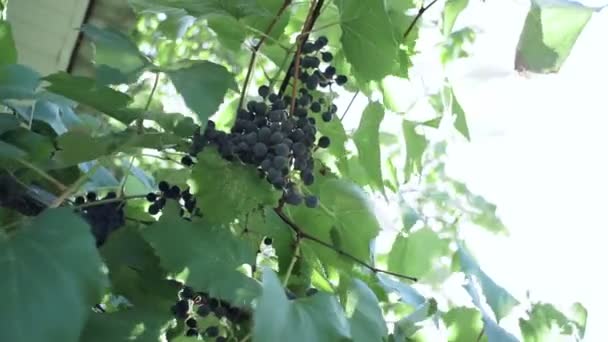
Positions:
{"x": 172, "y": 192}
{"x": 104, "y": 217}
{"x": 279, "y": 141}
{"x": 193, "y": 306}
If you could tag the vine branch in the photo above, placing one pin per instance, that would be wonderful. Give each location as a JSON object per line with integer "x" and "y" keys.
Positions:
{"x": 300, "y": 234}
{"x": 421, "y": 11}
{"x": 302, "y": 38}
{"x": 257, "y": 47}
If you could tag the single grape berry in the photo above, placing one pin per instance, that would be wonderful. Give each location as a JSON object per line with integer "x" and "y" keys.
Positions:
{"x": 323, "y": 142}
{"x": 260, "y": 108}
{"x": 182, "y": 306}
{"x": 203, "y": 311}
{"x": 263, "y": 91}
{"x": 91, "y": 196}
{"x": 279, "y": 162}
{"x": 174, "y": 192}
{"x": 191, "y": 322}
{"x": 111, "y": 195}
{"x": 214, "y": 303}
{"x": 326, "y": 116}
{"x": 188, "y": 293}
{"x": 212, "y": 331}
{"x": 153, "y": 209}
{"x": 308, "y": 48}
{"x": 307, "y": 177}
{"x": 191, "y": 332}
{"x": 327, "y": 56}
{"x": 311, "y": 201}
{"x": 311, "y": 291}
{"x": 260, "y": 150}
{"x": 315, "y": 107}
{"x": 292, "y": 197}
{"x": 281, "y": 150}
{"x": 275, "y": 115}
{"x": 329, "y": 72}
{"x": 163, "y": 186}
{"x": 276, "y": 137}
{"x": 79, "y": 200}
{"x": 273, "y": 97}
{"x": 186, "y": 160}
{"x": 300, "y": 112}
{"x": 341, "y": 79}
{"x": 321, "y": 42}
{"x": 268, "y": 241}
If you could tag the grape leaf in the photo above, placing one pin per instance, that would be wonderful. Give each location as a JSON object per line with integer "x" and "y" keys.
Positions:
{"x": 416, "y": 255}
{"x": 203, "y": 256}
{"x": 548, "y": 35}
{"x": 7, "y": 44}
{"x": 115, "y": 50}
{"x": 407, "y": 293}
{"x": 367, "y": 38}
{"x": 49, "y": 263}
{"x": 463, "y": 324}
{"x": 18, "y": 81}
{"x": 9, "y": 151}
{"x": 500, "y": 301}
{"x": 364, "y": 313}
{"x": 238, "y": 186}
{"x": 461, "y": 121}
{"x": 415, "y": 145}
{"x": 88, "y": 92}
{"x": 451, "y": 11}
{"x": 316, "y": 318}
{"x": 545, "y": 323}
{"x": 203, "y": 86}
{"x": 367, "y": 139}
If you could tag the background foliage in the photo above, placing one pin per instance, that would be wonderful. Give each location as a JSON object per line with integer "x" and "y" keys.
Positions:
{"x": 267, "y": 270}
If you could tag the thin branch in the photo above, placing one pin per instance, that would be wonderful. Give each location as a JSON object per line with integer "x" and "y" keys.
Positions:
{"x": 303, "y": 235}
{"x": 421, "y": 11}
{"x": 257, "y": 47}
{"x": 303, "y": 38}
{"x": 480, "y": 334}
{"x": 349, "y": 104}
{"x": 140, "y": 121}
{"x": 293, "y": 261}
{"x": 43, "y": 174}
{"x": 75, "y": 186}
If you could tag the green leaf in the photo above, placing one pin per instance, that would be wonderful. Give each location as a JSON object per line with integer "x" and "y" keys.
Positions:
{"x": 545, "y": 323}
{"x": 368, "y": 143}
{"x": 9, "y": 151}
{"x": 240, "y": 188}
{"x": 367, "y": 38}
{"x": 364, "y": 314}
{"x": 265, "y": 222}
{"x": 230, "y": 32}
{"x": 549, "y": 34}
{"x": 7, "y": 44}
{"x": 204, "y": 257}
{"x": 18, "y": 81}
{"x": 316, "y": 318}
{"x": 463, "y": 324}
{"x": 461, "y": 120}
{"x": 417, "y": 254}
{"x": 347, "y": 211}
{"x": 203, "y": 86}
{"x": 47, "y": 264}
{"x": 500, "y": 301}
{"x": 88, "y": 92}
{"x": 115, "y": 50}
{"x": 140, "y": 324}
{"x": 8, "y": 123}
{"x": 415, "y": 145}
{"x": 450, "y": 13}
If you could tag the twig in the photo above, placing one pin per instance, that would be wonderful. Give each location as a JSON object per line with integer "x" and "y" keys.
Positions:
{"x": 257, "y": 47}
{"x": 43, "y": 174}
{"x": 303, "y": 235}
{"x": 109, "y": 200}
{"x": 308, "y": 25}
{"x": 421, "y": 11}
{"x": 295, "y": 257}
{"x": 480, "y": 334}
{"x": 299, "y": 42}
{"x": 140, "y": 121}
{"x": 349, "y": 104}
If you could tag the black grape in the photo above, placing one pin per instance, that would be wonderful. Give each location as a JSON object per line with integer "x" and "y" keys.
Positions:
{"x": 321, "y": 42}
{"x": 341, "y": 79}
{"x": 327, "y": 56}
{"x": 276, "y": 138}
{"x": 192, "y": 332}
{"x": 311, "y": 201}
{"x": 163, "y": 186}
{"x": 307, "y": 177}
{"x": 212, "y": 331}
{"x": 91, "y": 196}
{"x": 203, "y": 311}
{"x": 323, "y": 142}
{"x": 268, "y": 241}
{"x": 281, "y": 150}
{"x": 292, "y": 197}
{"x": 264, "y": 91}
{"x": 326, "y": 116}
{"x": 186, "y": 160}
{"x": 315, "y": 107}
{"x": 153, "y": 209}
{"x": 260, "y": 150}
{"x": 79, "y": 200}
{"x": 191, "y": 322}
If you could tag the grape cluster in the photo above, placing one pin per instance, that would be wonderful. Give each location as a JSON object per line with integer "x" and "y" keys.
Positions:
{"x": 104, "y": 217}
{"x": 277, "y": 141}
{"x": 172, "y": 192}
{"x": 193, "y": 306}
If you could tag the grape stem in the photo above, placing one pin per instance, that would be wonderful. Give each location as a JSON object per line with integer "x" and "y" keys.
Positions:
{"x": 421, "y": 11}
{"x": 257, "y": 47}
{"x": 140, "y": 121}
{"x": 300, "y": 234}
{"x": 294, "y": 258}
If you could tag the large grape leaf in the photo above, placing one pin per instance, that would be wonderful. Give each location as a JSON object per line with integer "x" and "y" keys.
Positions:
{"x": 7, "y": 44}
{"x": 203, "y": 256}
{"x": 49, "y": 264}
{"x": 463, "y": 324}
{"x": 345, "y": 220}
{"x": 500, "y": 300}
{"x": 316, "y": 318}
{"x": 226, "y": 190}
{"x": 549, "y": 33}
{"x": 203, "y": 86}
{"x": 417, "y": 254}
{"x": 545, "y": 323}
{"x": 364, "y": 314}
{"x": 18, "y": 81}
{"x": 86, "y": 91}
{"x": 367, "y": 38}
{"x": 115, "y": 50}
{"x": 367, "y": 139}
